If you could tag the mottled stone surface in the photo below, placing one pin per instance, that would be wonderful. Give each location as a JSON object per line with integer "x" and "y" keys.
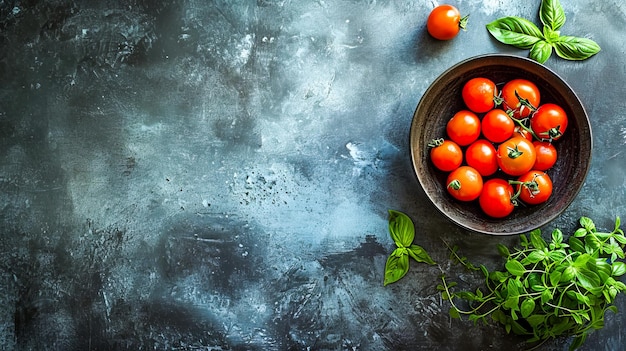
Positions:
{"x": 215, "y": 175}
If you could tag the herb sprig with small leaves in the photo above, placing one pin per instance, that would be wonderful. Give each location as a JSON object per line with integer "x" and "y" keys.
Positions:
{"x": 548, "y": 289}
{"x": 402, "y": 232}
{"x": 524, "y": 34}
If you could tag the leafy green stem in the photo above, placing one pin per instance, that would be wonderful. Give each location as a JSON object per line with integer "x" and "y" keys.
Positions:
{"x": 548, "y": 289}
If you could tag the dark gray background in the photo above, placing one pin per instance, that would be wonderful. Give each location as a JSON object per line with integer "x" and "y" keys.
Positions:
{"x": 216, "y": 175}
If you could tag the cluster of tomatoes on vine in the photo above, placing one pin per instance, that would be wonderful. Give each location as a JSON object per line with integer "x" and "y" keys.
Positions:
{"x": 499, "y": 149}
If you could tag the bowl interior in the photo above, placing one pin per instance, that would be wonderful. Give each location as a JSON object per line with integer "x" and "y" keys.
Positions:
{"x": 443, "y": 98}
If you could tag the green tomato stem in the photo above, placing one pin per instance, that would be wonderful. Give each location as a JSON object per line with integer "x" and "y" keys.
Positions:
{"x": 455, "y": 184}
{"x": 463, "y": 22}
{"x": 524, "y": 103}
{"x": 436, "y": 142}
{"x": 528, "y": 129}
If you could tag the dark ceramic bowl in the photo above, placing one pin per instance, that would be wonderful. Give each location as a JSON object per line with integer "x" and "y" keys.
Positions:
{"x": 443, "y": 98}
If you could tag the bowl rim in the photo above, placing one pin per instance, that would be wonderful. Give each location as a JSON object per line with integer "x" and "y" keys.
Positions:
{"x": 416, "y": 149}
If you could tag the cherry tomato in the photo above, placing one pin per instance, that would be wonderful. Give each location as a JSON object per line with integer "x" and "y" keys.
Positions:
{"x": 495, "y": 199}
{"x": 516, "y": 156}
{"x": 534, "y": 187}
{"x": 497, "y": 126}
{"x": 519, "y": 131}
{"x": 527, "y": 90}
{"x": 546, "y": 155}
{"x": 549, "y": 122}
{"x": 481, "y": 155}
{"x": 445, "y": 21}
{"x": 446, "y": 155}
{"x": 464, "y": 127}
{"x": 479, "y": 93}
{"x": 465, "y": 183}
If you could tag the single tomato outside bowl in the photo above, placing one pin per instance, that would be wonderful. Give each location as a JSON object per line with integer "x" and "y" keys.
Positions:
{"x": 443, "y": 99}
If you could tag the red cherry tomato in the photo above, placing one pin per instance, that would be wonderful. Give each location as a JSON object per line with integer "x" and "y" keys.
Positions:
{"x": 534, "y": 187}
{"x": 446, "y": 155}
{"x": 495, "y": 199}
{"x": 479, "y": 93}
{"x": 497, "y": 126}
{"x": 464, "y": 127}
{"x": 549, "y": 122}
{"x": 546, "y": 155}
{"x": 527, "y": 90}
{"x": 481, "y": 155}
{"x": 465, "y": 183}
{"x": 516, "y": 156}
{"x": 444, "y": 22}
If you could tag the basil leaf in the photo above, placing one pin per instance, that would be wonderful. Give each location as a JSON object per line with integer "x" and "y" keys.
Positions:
{"x": 546, "y": 296}
{"x": 587, "y": 278}
{"x": 515, "y": 267}
{"x": 401, "y": 228}
{"x": 581, "y": 261}
{"x": 498, "y": 276}
{"x": 454, "y": 313}
{"x": 523, "y": 241}
{"x": 580, "y": 232}
{"x": 535, "y": 256}
{"x": 557, "y": 236}
{"x": 515, "y": 31}
{"x": 618, "y": 269}
{"x": 535, "y": 320}
{"x": 551, "y": 14}
{"x": 527, "y": 307}
{"x": 396, "y": 267}
{"x": 620, "y": 238}
{"x": 537, "y": 240}
{"x": 587, "y": 223}
{"x": 555, "y": 278}
{"x": 575, "y": 48}
{"x": 541, "y": 51}
{"x": 503, "y": 251}
{"x": 582, "y": 298}
{"x": 484, "y": 270}
{"x": 557, "y": 256}
{"x": 419, "y": 254}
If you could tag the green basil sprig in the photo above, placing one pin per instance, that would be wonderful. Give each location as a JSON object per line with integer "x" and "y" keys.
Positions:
{"x": 524, "y": 34}
{"x": 402, "y": 232}
{"x": 547, "y": 288}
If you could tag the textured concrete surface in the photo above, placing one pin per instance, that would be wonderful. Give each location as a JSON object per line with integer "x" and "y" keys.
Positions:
{"x": 215, "y": 175}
